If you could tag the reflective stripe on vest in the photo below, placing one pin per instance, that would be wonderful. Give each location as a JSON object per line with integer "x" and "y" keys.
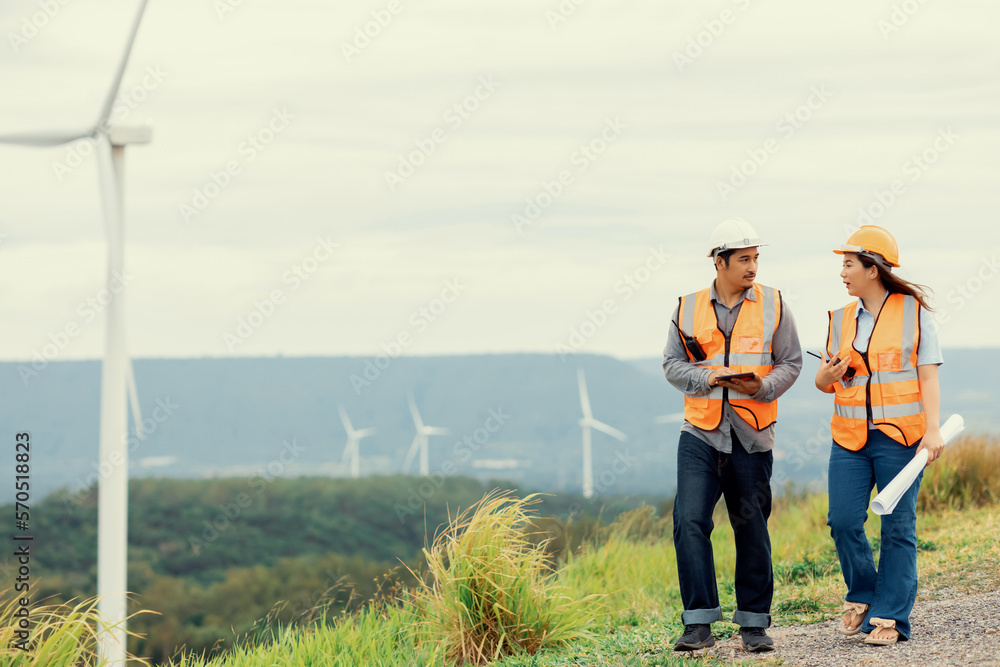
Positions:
{"x": 748, "y": 351}
{"x": 885, "y": 388}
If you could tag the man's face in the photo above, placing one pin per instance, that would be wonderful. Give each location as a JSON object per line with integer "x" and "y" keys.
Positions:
{"x": 742, "y": 268}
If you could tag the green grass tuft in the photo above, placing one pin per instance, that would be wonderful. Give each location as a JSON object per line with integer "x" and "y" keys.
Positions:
{"x": 966, "y": 475}
{"x": 59, "y": 634}
{"x": 490, "y": 592}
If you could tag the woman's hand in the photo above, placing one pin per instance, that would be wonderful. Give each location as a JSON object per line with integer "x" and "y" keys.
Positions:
{"x": 830, "y": 372}
{"x": 933, "y": 443}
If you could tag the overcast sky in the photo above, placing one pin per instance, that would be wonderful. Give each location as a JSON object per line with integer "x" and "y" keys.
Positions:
{"x": 388, "y": 169}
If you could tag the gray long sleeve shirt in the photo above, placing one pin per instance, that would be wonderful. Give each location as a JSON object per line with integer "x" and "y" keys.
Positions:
{"x": 693, "y": 380}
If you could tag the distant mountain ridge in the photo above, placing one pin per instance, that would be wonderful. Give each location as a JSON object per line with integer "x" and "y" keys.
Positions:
{"x": 512, "y": 416}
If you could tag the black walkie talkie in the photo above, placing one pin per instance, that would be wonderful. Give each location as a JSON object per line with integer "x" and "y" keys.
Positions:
{"x": 691, "y": 343}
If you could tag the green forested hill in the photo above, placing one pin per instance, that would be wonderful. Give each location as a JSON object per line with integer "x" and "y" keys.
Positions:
{"x": 216, "y": 556}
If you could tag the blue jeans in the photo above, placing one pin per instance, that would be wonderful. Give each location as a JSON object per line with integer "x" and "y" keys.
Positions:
{"x": 891, "y": 589}
{"x": 703, "y": 476}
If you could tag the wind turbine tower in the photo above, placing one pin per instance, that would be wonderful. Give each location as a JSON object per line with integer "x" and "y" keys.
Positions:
{"x": 117, "y": 378}
{"x": 352, "y": 452}
{"x": 420, "y": 441}
{"x": 588, "y": 422}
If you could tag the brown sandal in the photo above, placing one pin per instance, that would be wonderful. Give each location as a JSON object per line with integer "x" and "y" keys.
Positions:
{"x": 884, "y": 633}
{"x": 851, "y": 623}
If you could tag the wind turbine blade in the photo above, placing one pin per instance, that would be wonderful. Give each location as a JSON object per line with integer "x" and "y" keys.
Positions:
{"x": 345, "y": 421}
{"x": 117, "y": 81}
{"x": 44, "y": 138}
{"x": 671, "y": 418}
{"x": 416, "y": 414}
{"x": 584, "y": 398}
{"x": 434, "y": 430}
{"x": 604, "y": 428}
{"x": 133, "y": 396}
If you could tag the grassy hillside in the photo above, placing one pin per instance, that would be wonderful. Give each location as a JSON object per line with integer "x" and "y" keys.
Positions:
{"x": 638, "y": 616}
{"x": 214, "y": 557}
{"x": 622, "y": 588}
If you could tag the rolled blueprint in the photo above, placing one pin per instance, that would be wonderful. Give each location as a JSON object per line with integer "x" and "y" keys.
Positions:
{"x": 886, "y": 501}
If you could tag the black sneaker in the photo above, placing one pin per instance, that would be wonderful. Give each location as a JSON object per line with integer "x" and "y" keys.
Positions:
{"x": 755, "y": 639}
{"x": 695, "y": 637}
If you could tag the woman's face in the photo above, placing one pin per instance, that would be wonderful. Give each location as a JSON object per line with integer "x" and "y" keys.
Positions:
{"x": 856, "y": 277}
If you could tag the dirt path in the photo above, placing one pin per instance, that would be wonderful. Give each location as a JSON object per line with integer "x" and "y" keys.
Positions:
{"x": 960, "y": 630}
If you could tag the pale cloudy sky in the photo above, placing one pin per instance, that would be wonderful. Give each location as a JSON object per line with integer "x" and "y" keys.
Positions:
{"x": 836, "y": 102}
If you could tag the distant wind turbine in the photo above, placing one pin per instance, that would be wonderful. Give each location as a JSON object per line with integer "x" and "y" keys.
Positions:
{"x": 420, "y": 441}
{"x": 117, "y": 377}
{"x": 588, "y": 422}
{"x": 352, "y": 452}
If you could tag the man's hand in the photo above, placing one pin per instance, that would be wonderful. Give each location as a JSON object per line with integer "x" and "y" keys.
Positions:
{"x": 933, "y": 443}
{"x": 712, "y": 379}
{"x": 748, "y": 387}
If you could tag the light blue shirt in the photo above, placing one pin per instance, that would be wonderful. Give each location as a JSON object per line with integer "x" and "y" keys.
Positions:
{"x": 928, "y": 348}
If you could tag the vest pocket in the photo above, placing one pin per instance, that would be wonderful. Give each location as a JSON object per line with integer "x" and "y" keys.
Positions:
{"x": 890, "y": 361}
{"x": 851, "y": 395}
{"x": 750, "y": 344}
{"x": 705, "y": 336}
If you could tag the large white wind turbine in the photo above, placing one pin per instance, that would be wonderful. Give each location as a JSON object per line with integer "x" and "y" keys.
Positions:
{"x": 352, "y": 452}
{"x": 117, "y": 378}
{"x": 420, "y": 441}
{"x": 588, "y": 422}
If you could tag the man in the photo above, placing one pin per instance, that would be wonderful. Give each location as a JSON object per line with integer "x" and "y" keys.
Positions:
{"x": 735, "y": 326}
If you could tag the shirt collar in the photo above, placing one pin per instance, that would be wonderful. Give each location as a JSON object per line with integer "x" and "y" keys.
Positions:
{"x": 862, "y": 309}
{"x": 748, "y": 293}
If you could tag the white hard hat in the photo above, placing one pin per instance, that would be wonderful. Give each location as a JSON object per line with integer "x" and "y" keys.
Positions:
{"x": 733, "y": 233}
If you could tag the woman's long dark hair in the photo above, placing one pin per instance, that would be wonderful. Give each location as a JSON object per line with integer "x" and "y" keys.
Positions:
{"x": 897, "y": 285}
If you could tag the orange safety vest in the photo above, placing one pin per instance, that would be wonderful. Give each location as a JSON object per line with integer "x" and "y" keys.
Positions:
{"x": 885, "y": 389}
{"x": 751, "y": 342}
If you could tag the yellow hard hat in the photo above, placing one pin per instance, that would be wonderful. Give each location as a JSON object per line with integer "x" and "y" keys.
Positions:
{"x": 870, "y": 240}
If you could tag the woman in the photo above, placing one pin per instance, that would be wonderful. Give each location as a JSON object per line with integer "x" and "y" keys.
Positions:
{"x": 882, "y": 366}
